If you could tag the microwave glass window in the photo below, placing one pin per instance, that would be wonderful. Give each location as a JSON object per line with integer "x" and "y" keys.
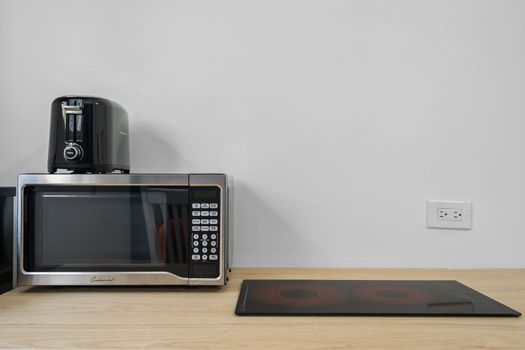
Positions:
{"x": 113, "y": 228}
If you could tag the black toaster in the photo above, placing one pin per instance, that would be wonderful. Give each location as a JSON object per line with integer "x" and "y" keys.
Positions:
{"x": 88, "y": 135}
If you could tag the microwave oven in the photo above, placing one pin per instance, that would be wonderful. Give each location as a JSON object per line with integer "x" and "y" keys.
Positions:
{"x": 123, "y": 229}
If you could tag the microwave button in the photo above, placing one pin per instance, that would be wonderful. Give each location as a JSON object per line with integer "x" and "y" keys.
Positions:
{"x": 205, "y": 213}
{"x": 214, "y": 205}
{"x": 205, "y": 205}
{"x": 196, "y": 228}
{"x": 213, "y": 236}
{"x": 213, "y": 257}
{"x": 204, "y": 257}
{"x": 204, "y": 243}
{"x": 196, "y": 205}
{"x": 213, "y": 243}
{"x": 196, "y": 213}
{"x": 204, "y": 250}
{"x": 205, "y": 221}
{"x": 196, "y": 243}
{"x": 204, "y": 236}
{"x": 195, "y": 236}
{"x": 214, "y": 213}
{"x": 213, "y": 250}
{"x": 213, "y": 228}
{"x": 195, "y": 257}
{"x": 195, "y": 221}
{"x": 205, "y": 228}
{"x": 214, "y": 221}
{"x": 195, "y": 250}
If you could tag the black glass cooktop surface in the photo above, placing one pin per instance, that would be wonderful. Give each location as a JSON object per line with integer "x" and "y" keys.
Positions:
{"x": 360, "y": 298}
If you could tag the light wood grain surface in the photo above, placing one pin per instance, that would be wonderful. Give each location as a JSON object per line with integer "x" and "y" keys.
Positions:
{"x": 203, "y": 318}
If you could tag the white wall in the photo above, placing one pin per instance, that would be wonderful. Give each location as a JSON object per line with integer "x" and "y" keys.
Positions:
{"x": 338, "y": 119}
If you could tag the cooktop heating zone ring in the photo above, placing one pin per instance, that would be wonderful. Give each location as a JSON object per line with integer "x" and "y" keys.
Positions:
{"x": 297, "y": 295}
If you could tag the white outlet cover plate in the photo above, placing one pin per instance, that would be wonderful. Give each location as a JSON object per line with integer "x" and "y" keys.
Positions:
{"x": 433, "y": 220}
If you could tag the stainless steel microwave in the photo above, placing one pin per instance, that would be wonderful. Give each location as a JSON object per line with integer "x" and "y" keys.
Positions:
{"x": 123, "y": 229}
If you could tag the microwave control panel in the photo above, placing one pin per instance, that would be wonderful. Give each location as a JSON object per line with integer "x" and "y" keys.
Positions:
{"x": 205, "y": 231}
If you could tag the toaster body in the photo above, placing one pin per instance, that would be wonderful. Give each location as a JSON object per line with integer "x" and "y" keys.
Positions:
{"x": 88, "y": 135}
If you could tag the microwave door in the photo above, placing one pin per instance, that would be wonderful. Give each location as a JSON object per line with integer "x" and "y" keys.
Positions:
{"x": 134, "y": 229}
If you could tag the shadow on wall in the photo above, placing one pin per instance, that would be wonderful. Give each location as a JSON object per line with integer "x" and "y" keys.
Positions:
{"x": 264, "y": 237}
{"x": 151, "y": 152}
{"x": 34, "y": 162}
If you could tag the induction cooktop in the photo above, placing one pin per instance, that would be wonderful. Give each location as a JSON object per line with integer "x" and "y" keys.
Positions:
{"x": 365, "y": 298}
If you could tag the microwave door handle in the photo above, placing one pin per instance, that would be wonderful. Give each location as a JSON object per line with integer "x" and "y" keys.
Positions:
{"x": 169, "y": 240}
{"x": 185, "y": 237}
{"x": 178, "y": 237}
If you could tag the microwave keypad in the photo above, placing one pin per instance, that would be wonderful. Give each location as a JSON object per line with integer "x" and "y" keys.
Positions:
{"x": 205, "y": 232}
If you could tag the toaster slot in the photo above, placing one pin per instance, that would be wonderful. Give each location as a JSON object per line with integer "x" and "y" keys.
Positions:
{"x": 73, "y": 118}
{"x": 70, "y": 127}
{"x": 78, "y": 128}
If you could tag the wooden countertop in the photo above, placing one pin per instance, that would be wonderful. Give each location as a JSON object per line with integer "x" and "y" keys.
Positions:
{"x": 203, "y": 318}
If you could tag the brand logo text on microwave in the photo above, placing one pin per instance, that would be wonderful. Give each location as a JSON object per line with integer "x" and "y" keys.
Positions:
{"x": 96, "y": 279}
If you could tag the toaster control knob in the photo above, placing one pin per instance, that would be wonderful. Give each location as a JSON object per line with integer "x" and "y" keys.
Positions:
{"x": 72, "y": 152}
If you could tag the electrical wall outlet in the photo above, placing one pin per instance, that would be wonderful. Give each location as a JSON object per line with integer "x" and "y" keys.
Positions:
{"x": 449, "y": 214}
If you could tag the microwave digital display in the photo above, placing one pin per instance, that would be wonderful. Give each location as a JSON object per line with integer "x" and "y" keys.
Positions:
{"x": 205, "y": 195}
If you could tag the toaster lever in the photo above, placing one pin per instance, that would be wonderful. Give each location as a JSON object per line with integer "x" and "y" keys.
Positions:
{"x": 71, "y": 109}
